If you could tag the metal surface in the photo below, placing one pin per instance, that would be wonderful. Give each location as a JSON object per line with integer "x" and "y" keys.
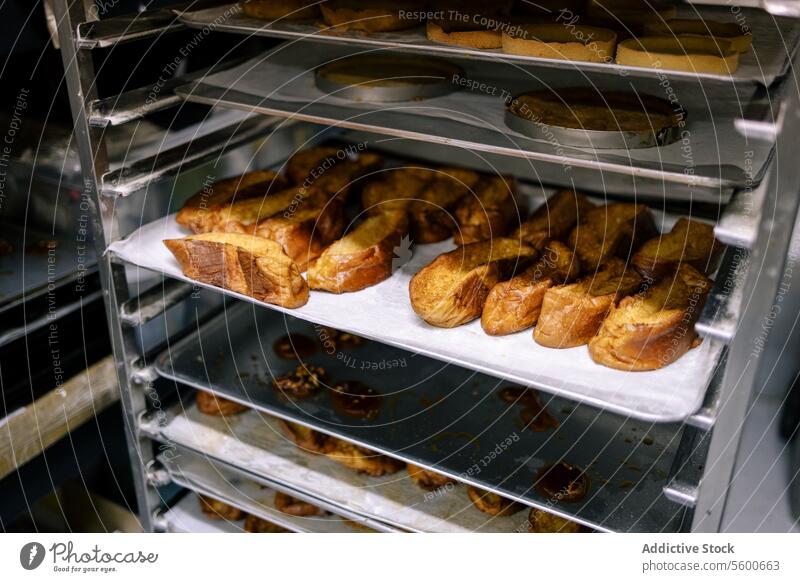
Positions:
{"x": 720, "y": 316}
{"x": 790, "y": 8}
{"x": 119, "y": 29}
{"x": 738, "y": 225}
{"x": 167, "y": 163}
{"x": 437, "y": 415}
{"x": 204, "y": 476}
{"x": 771, "y": 62}
{"x": 153, "y": 302}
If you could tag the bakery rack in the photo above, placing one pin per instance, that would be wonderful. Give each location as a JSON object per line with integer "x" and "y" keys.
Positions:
{"x": 686, "y": 474}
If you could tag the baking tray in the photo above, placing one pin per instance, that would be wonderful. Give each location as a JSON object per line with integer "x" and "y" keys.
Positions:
{"x": 206, "y": 477}
{"x": 711, "y": 152}
{"x": 775, "y": 40}
{"x": 187, "y": 517}
{"x": 631, "y": 500}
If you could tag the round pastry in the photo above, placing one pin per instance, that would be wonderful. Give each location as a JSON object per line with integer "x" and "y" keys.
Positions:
{"x": 214, "y": 405}
{"x": 361, "y": 459}
{"x": 694, "y": 54}
{"x": 375, "y": 16}
{"x": 449, "y": 32}
{"x": 216, "y": 509}
{"x": 306, "y": 438}
{"x": 730, "y": 31}
{"x": 543, "y": 522}
{"x": 558, "y": 41}
{"x": 428, "y": 479}
{"x": 281, "y": 9}
{"x": 305, "y": 381}
{"x": 492, "y": 503}
{"x": 291, "y": 506}
{"x": 255, "y": 524}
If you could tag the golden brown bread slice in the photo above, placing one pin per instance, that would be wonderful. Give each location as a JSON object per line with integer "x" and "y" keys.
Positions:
{"x": 431, "y": 215}
{"x": 613, "y": 230}
{"x": 243, "y": 216}
{"x": 395, "y": 189}
{"x": 361, "y": 459}
{"x": 203, "y": 206}
{"x": 361, "y": 258}
{"x": 689, "y": 242}
{"x": 515, "y": 304}
{"x": 653, "y": 329}
{"x": 554, "y": 219}
{"x": 372, "y": 15}
{"x": 572, "y": 314}
{"x": 310, "y": 162}
{"x": 491, "y": 211}
{"x": 281, "y": 9}
{"x": 242, "y": 263}
{"x": 452, "y": 289}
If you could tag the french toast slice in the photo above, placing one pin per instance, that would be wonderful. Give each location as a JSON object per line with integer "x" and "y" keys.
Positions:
{"x": 689, "y": 242}
{"x": 361, "y": 258}
{"x": 242, "y": 217}
{"x": 204, "y": 205}
{"x": 488, "y": 213}
{"x": 396, "y": 189}
{"x": 652, "y": 329}
{"x": 361, "y": 459}
{"x": 554, "y": 219}
{"x": 616, "y": 229}
{"x": 372, "y": 15}
{"x": 452, "y": 289}
{"x": 431, "y": 216}
{"x": 515, "y": 304}
{"x": 305, "y": 163}
{"x": 572, "y": 314}
{"x": 242, "y": 263}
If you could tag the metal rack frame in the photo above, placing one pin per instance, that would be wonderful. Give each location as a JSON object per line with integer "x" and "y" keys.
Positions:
{"x": 711, "y": 436}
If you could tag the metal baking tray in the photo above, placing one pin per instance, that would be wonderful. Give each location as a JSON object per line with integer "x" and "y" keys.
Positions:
{"x": 630, "y": 500}
{"x": 431, "y": 78}
{"x": 771, "y": 39}
{"x": 206, "y": 477}
{"x": 437, "y": 415}
{"x": 282, "y": 84}
{"x": 187, "y": 517}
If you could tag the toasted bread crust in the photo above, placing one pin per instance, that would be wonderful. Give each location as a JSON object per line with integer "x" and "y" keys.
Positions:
{"x": 427, "y": 479}
{"x": 242, "y": 263}
{"x": 572, "y": 314}
{"x": 613, "y": 230}
{"x": 491, "y": 211}
{"x": 281, "y": 9}
{"x": 688, "y": 242}
{"x": 361, "y": 459}
{"x": 431, "y": 216}
{"x": 214, "y": 405}
{"x": 378, "y": 16}
{"x": 554, "y": 219}
{"x": 515, "y": 304}
{"x": 361, "y": 258}
{"x": 452, "y": 289}
{"x": 492, "y": 503}
{"x": 203, "y": 207}
{"x": 653, "y": 329}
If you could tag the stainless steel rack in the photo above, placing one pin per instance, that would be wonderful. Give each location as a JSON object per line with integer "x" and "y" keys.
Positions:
{"x": 759, "y": 219}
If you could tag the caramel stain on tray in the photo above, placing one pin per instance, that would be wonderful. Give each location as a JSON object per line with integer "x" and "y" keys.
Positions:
{"x": 356, "y": 399}
{"x": 562, "y": 482}
{"x": 533, "y": 416}
{"x": 294, "y": 346}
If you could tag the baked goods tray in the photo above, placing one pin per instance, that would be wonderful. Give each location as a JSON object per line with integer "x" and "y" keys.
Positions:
{"x": 711, "y": 153}
{"x": 774, "y": 42}
{"x": 206, "y": 477}
{"x": 631, "y": 500}
{"x": 187, "y": 517}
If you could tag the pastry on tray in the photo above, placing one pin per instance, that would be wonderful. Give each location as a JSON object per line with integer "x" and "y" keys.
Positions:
{"x": 554, "y": 219}
{"x": 242, "y": 263}
{"x": 203, "y": 206}
{"x": 652, "y": 329}
{"x": 395, "y": 189}
{"x": 693, "y": 54}
{"x": 306, "y": 438}
{"x": 731, "y": 31}
{"x": 303, "y": 382}
{"x": 452, "y": 289}
{"x": 312, "y": 162}
{"x": 431, "y": 216}
{"x": 242, "y": 216}
{"x": 489, "y": 211}
{"x": 291, "y": 506}
{"x": 540, "y": 521}
{"x": 515, "y": 304}
{"x": 616, "y": 229}
{"x": 361, "y": 258}
{"x": 690, "y": 242}
{"x": 361, "y": 459}
{"x": 492, "y": 503}
{"x": 467, "y": 30}
{"x": 572, "y": 314}
{"x": 253, "y": 524}
{"x": 428, "y": 479}
{"x": 216, "y": 509}
{"x": 372, "y": 15}
{"x": 214, "y": 405}
{"x": 281, "y": 9}
{"x": 561, "y": 41}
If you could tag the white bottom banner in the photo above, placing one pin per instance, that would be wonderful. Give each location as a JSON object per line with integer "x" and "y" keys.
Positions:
{"x": 343, "y": 557}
